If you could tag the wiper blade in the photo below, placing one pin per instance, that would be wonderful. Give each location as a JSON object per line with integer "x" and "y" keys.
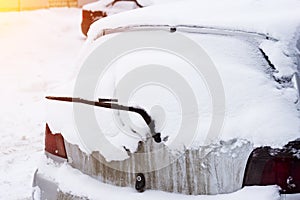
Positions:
{"x": 112, "y": 104}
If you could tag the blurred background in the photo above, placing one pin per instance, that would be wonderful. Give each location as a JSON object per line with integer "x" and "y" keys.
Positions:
{"x": 19, "y": 5}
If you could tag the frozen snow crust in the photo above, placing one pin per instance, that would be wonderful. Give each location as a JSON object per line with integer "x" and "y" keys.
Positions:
{"x": 214, "y": 169}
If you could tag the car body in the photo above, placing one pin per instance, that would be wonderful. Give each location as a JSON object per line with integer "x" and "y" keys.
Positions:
{"x": 259, "y": 144}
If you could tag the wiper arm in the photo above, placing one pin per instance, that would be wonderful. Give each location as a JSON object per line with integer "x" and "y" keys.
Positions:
{"x": 112, "y": 104}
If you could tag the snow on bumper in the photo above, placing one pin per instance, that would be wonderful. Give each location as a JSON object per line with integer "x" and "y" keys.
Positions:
{"x": 62, "y": 182}
{"x": 46, "y": 183}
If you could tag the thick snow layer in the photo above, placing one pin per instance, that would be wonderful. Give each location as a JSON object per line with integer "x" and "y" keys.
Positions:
{"x": 71, "y": 180}
{"x": 266, "y": 113}
{"x": 278, "y": 19}
{"x": 38, "y": 51}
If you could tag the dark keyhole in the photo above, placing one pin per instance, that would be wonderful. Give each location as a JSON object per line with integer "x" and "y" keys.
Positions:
{"x": 140, "y": 182}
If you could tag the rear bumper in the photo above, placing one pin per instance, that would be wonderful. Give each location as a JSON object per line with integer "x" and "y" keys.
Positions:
{"x": 47, "y": 183}
{"x": 44, "y": 188}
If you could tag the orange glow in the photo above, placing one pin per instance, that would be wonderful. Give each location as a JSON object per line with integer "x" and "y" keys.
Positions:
{"x": 18, "y": 5}
{"x": 9, "y": 5}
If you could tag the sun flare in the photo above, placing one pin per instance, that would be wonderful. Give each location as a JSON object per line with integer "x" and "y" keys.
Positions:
{"x": 9, "y": 5}
{"x": 19, "y": 5}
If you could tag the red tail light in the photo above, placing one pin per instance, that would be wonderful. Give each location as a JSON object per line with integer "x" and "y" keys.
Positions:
{"x": 267, "y": 166}
{"x": 54, "y": 143}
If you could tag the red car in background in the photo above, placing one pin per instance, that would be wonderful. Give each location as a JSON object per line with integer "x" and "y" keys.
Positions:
{"x": 103, "y": 8}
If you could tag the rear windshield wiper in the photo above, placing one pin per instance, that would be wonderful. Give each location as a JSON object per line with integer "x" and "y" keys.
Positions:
{"x": 112, "y": 104}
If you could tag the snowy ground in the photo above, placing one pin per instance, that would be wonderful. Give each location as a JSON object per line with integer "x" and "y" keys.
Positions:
{"x": 38, "y": 50}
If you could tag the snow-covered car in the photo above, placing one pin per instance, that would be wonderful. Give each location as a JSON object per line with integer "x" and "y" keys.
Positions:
{"x": 94, "y": 11}
{"x": 254, "y": 46}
